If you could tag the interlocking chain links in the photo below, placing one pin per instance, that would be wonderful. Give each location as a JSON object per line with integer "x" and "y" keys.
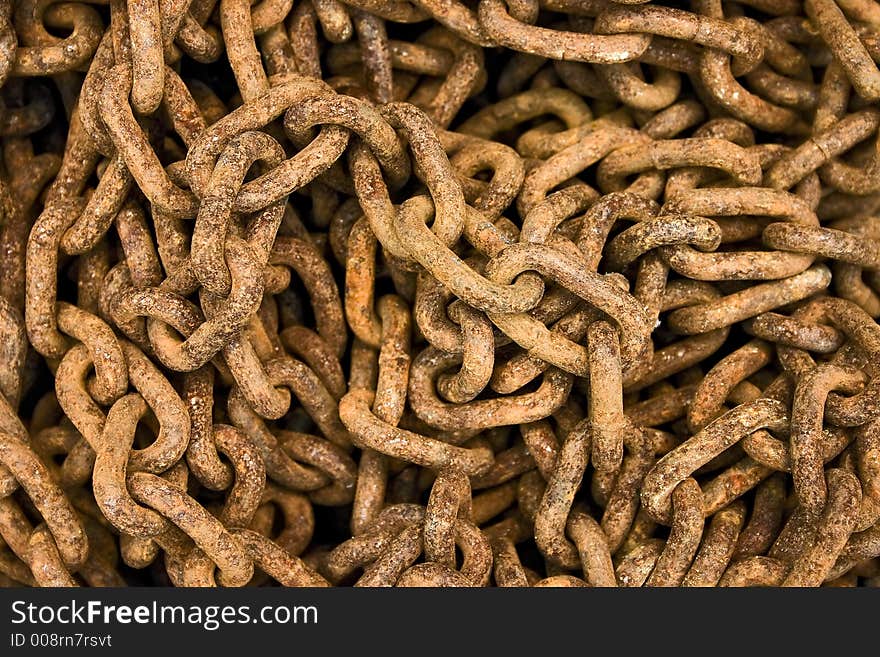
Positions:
{"x": 546, "y": 234}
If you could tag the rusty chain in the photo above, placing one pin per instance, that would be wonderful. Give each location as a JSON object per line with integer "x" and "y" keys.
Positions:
{"x": 386, "y": 293}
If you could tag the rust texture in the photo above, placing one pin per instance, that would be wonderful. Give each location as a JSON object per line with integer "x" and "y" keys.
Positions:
{"x": 554, "y": 293}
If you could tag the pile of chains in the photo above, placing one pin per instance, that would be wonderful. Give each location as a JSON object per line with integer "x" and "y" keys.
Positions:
{"x": 440, "y": 293}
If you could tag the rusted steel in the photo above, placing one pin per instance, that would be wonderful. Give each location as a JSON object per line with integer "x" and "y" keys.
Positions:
{"x": 553, "y": 293}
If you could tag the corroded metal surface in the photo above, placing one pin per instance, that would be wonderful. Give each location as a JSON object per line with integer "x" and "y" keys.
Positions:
{"x": 434, "y": 293}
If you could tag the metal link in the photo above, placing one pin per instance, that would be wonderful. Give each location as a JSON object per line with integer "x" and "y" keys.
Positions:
{"x": 440, "y": 293}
